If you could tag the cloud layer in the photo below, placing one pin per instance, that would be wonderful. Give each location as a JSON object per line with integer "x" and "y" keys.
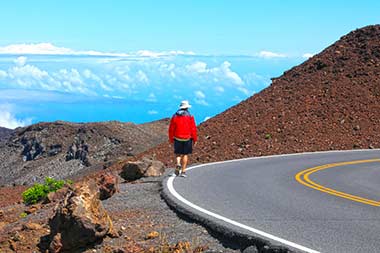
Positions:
{"x": 119, "y": 78}
{"x": 48, "y": 76}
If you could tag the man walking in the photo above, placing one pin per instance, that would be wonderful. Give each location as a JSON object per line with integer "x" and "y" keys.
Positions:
{"x": 183, "y": 133}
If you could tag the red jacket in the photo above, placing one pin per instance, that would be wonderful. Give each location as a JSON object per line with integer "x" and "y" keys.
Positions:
{"x": 182, "y": 125}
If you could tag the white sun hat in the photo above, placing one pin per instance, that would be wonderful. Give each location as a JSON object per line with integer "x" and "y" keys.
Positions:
{"x": 184, "y": 104}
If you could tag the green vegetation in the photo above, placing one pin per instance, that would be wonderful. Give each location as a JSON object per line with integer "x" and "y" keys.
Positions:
{"x": 23, "y": 215}
{"x": 39, "y": 192}
{"x": 268, "y": 136}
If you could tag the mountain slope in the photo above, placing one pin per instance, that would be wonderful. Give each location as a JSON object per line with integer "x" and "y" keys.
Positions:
{"x": 5, "y": 132}
{"x": 63, "y": 149}
{"x": 331, "y": 101}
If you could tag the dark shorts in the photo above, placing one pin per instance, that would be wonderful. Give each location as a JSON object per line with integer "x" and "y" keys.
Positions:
{"x": 183, "y": 147}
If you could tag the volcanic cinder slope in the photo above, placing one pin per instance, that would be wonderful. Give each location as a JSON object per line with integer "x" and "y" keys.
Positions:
{"x": 68, "y": 150}
{"x": 329, "y": 102}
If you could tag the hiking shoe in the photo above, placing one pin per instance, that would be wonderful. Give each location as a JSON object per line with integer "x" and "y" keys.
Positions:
{"x": 177, "y": 170}
{"x": 183, "y": 174}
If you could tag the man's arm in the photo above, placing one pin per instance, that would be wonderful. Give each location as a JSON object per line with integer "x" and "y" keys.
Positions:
{"x": 171, "y": 130}
{"x": 193, "y": 130}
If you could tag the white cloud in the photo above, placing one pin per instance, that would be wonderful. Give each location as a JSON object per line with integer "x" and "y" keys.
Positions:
{"x": 200, "y": 67}
{"x": 39, "y": 48}
{"x": 71, "y": 75}
{"x": 20, "y": 61}
{"x": 225, "y": 67}
{"x": 200, "y": 98}
{"x": 148, "y": 53}
{"x": 152, "y": 97}
{"x": 152, "y": 112}
{"x": 3, "y": 74}
{"x": 223, "y": 72}
{"x": 27, "y": 70}
{"x": 244, "y": 90}
{"x": 141, "y": 77}
{"x": 268, "y": 54}
{"x": 51, "y": 49}
{"x": 219, "y": 89}
{"x": 27, "y": 75}
{"x": 201, "y": 102}
{"x": 307, "y": 55}
{"x": 89, "y": 75}
{"x": 8, "y": 120}
{"x": 199, "y": 94}
{"x": 118, "y": 97}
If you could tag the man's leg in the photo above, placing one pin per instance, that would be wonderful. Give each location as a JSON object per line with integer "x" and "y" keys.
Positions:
{"x": 178, "y": 158}
{"x": 185, "y": 159}
{"x": 178, "y": 165}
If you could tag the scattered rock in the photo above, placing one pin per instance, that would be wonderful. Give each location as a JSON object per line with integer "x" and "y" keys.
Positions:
{"x": 80, "y": 219}
{"x": 133, "y": 170}
{"x": 16, "y": 236}
{"x": 251, "y": 249}
{"x": 32, "y": 226}
{"x": 2, "y": 224}
{"x": 108, "y": 185}
{"x": 142, "y": 168}
{"x": 55, "y": 149}
{"x": 152, "y": 235}
{"x": 56, "y": 196}
{"x": 78, "y": 150}
{"x": 33, "y": 148}
{"x": 32, "y": 209}
{"x": 56, "y": 244}
{"x": 12, "y": 245}
{"x": 119, "y": 250}
{"x": 155, "y": 169}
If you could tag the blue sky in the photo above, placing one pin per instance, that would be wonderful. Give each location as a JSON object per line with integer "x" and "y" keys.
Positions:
{"x": 135, "y": 60}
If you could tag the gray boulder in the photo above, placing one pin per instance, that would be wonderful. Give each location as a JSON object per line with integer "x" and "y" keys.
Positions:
{"x": 142, "y": 168}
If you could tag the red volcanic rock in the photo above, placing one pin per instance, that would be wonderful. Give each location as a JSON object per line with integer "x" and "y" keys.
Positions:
{"x": 108, "y": 185}
{"x": 329, "y": 102}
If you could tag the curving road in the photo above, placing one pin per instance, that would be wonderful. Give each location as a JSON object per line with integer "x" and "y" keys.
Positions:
{"x": 311, "y": 202}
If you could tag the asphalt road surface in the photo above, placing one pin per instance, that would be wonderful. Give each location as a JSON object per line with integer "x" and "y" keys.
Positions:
{"x": 312, "y": 202}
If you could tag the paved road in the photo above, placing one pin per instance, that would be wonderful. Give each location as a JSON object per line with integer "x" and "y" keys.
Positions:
{"x": 334, "y": 208}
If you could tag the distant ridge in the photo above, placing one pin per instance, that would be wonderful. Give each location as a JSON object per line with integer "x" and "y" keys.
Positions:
{"x": 329, "y": 102}
{"x": 68, "y": 150}
{"x": 4, "y": 133}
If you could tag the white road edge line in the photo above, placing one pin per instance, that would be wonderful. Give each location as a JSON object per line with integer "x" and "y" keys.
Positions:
{"x": 235, "y": 223}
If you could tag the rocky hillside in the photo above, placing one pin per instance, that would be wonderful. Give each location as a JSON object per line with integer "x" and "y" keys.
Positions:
{"x": 67, "y": 150}
{"x": 331, "y": 101}
{"x": 4, "y": 133}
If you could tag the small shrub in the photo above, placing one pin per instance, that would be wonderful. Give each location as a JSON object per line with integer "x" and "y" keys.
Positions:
{"x": 268, "y": 136}
{"x": 39, "y": 192}
{"x": 23, "y": 215}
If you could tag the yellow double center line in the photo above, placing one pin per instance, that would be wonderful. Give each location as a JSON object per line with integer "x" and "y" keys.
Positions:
{"x": 303, "y": 178}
